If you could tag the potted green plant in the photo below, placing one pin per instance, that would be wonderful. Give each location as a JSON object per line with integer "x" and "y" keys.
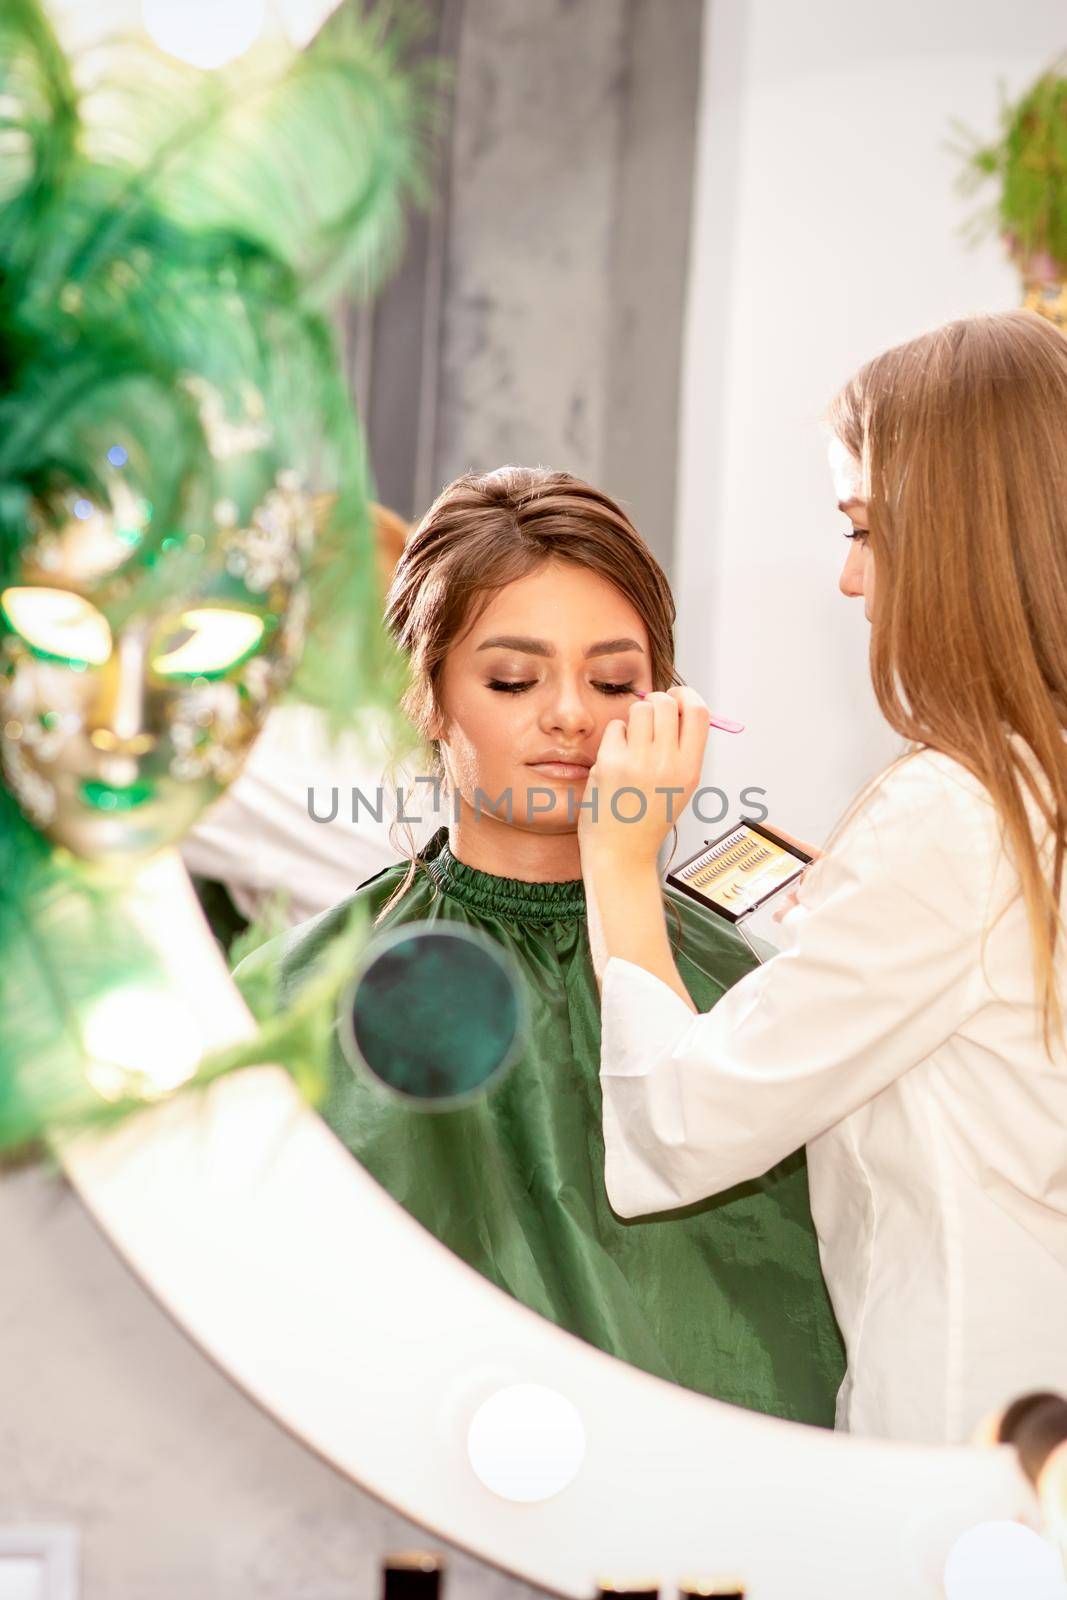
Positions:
{"x": 1029, "y": 161}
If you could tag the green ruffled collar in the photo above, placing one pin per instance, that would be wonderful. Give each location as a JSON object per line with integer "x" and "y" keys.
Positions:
{"x": 504, "y": 897}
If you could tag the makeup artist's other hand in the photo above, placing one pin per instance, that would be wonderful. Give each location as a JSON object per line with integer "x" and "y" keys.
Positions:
{"x": 646, "y": 772}
{"x": 786, "y": 902}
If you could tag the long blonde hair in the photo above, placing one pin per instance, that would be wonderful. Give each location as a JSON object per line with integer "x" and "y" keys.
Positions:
{"x": 961, "y": 436}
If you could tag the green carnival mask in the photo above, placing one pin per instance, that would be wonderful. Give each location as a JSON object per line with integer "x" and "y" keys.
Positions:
{"x": 121, "y": 721}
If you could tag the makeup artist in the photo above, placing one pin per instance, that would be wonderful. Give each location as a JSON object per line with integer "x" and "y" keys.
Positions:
{"x": 912, "y": 1032}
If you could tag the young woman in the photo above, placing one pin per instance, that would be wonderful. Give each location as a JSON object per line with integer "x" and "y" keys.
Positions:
{"x": 912, "y": 1033}
{"x": 531, "y": 609}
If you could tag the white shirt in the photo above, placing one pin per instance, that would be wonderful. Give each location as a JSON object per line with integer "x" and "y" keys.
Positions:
{"x": 302, "y": 816}
{"x": 899, "y": 1037}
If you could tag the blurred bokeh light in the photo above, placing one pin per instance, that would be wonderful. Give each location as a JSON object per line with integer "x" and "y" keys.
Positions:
{"x": 206, "y": 33}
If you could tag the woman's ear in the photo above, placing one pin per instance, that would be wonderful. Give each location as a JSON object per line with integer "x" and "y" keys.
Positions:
{"x": 436, "y": 722}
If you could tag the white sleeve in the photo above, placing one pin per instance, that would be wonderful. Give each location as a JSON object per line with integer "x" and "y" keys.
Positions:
{"x": 884, "y": 965}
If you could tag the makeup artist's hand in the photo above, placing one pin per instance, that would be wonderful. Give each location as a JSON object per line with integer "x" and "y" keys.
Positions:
{"x": 646, "y": 771}
{"x": 786, "y": 902}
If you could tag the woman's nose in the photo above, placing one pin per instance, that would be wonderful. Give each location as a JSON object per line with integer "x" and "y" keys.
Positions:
{"x": 116, "y": 724}
{"x": 568, "y": 712}
{"x": 851, "y": 580}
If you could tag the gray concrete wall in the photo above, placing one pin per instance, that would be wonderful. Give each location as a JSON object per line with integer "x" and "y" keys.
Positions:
{"x": 112, "y": 1421}
{"x": 570, "y": 178}
{"x": 543, "y": 300}
{"x": 649, "y": 262}
{"x": 527, "y": 297}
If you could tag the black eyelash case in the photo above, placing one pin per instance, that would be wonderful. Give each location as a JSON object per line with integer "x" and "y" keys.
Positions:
{"x": 740, "y": 871}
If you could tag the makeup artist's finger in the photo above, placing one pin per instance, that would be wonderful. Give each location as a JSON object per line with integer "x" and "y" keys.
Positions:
{"x": 665, "y": 719}
{"x": 811, "y": 850}
{"x": 612, "y": 741}
{"x": 693, "y": 731}
{"x": 687, "y": 699}
{"x": 639, "y": 732}
{"x": 788, "y": 902}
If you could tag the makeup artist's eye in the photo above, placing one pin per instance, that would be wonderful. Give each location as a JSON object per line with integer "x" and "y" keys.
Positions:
{"x": 614, "y": 688}
{"x": 503, "y": 687}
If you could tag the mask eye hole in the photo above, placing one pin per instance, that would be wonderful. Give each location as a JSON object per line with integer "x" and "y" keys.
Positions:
{"x": 57, "y": 625}
{"x": 207, "y": 642}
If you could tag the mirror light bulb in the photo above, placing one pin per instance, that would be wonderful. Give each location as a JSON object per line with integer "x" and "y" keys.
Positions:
{"x": 526, "y": 1442}
{"x": 302, "y": 19}
{"x": 141, "y": 1042}
{"x": 997, "y": 1559}
{"x": 206, "y": 33}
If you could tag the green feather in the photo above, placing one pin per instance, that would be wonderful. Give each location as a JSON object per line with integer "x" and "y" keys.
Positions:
{"x": 156, "y": 223}
{"x": 63, "y": 942}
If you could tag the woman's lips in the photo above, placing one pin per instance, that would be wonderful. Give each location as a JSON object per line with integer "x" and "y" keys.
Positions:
{"x": 563, "y": 771}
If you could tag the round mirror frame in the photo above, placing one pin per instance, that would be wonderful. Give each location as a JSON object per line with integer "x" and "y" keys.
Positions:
{"x": 238, "y": 1208}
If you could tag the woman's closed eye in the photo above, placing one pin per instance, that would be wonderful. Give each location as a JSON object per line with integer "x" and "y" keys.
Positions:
{"x": 516, "y": 686}
{"x": 862, "y": 534}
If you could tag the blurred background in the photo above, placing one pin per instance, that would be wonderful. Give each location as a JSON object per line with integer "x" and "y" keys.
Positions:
{"x": 662, "y": 233}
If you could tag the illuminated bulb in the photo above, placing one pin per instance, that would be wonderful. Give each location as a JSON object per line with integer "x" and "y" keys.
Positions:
{"x": 140, "y": 1042}
{"x": 526, "y": 1442}
{"x": 998, "y": 1559}
{"x": 302, "y": 19}
{"x": 206, "y": 33}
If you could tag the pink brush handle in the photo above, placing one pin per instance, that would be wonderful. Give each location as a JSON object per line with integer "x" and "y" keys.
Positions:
{"x": 723, "y": 723}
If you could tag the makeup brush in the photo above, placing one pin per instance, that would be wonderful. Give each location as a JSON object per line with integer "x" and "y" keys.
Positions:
{"x": 723, "y": 723}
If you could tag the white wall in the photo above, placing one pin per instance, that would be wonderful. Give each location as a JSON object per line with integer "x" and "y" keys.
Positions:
{"x": 826, "y": 226}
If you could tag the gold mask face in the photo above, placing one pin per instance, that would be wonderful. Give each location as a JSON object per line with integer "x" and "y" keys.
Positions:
{"x": 116, "y": 734}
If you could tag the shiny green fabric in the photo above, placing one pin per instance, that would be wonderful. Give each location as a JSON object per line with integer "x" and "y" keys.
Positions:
{"x": 725, "y": 1297}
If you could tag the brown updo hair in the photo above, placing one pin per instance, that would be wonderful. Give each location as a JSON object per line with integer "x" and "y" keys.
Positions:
{"x": 487, "y": 529}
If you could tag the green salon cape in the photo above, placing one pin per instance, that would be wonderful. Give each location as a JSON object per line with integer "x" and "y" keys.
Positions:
{"x": 725, "y": 1297}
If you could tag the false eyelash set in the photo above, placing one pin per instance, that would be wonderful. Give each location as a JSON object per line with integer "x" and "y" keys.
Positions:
{"x": 739, "y": 871}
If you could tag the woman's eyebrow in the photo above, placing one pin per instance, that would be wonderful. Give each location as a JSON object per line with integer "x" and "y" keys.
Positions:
{"x": 540, "y": 647}
{"x": 512, "y": 641}
{"x": 612, "y": 647}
